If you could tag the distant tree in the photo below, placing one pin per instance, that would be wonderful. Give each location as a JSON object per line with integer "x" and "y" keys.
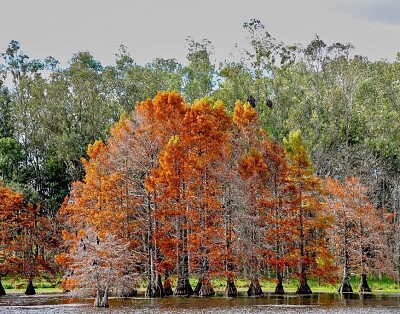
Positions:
{"x": 198, "y": 75}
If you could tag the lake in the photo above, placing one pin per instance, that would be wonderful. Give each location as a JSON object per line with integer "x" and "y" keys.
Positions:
{"x": 318, "y": 303}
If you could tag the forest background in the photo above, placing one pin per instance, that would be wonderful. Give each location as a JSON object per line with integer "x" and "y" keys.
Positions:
{"x": 346, "y": 107}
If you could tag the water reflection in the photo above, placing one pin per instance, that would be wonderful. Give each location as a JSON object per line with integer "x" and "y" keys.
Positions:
{"x": 319, "y": 303}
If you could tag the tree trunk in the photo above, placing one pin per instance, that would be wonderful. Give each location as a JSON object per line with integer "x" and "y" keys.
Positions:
{"x": 183, "y": 286}
{"x": 155, "y": 288}
{"x": 364, "y": 287}
{"x": 345, "y": 286}
{"x": 167, "y": 286}
{"x": 303, "y": 287}
{"x": 255, "y": 287}
{"x": 204, "y": 287}
{"x": 97, "y": 300}
{"x": 279, "y": 286}
{"x": 230, "y": 290}
{"x": 2, "y": 291}
{"x": 104, "y": 300}
{"x": 30, "y": 289}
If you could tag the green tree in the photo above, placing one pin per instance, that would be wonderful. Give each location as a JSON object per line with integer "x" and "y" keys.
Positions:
{"x": 198, "y": 75}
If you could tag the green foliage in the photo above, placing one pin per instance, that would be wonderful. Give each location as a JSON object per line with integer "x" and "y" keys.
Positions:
{"x": 11, "y": 157}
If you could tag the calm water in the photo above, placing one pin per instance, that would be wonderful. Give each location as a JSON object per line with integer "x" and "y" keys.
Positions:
{"x": 324, "y": 303}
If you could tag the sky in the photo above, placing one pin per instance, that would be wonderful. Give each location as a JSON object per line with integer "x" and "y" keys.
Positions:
{"x": 159, "y": 28}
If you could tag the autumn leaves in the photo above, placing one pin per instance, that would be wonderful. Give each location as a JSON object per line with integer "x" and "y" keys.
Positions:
{"x": 188, "y": 190}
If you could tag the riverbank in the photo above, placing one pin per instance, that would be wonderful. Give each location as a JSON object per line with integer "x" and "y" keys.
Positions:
{"x": 383, "y": 285}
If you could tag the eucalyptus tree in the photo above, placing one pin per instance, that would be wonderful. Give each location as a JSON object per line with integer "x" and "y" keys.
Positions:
{"x": 235, "y": 83}
{"x": 26, "y": 95}
{"x": 121, "y": 81}
{"x": 80, "y": 104}
{"x": 6, "y": 117}
{"x": 199, "y": 74}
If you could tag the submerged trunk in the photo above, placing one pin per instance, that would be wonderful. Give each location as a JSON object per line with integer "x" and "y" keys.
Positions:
{"x": 183, "y": 286}
{"x": 2, "y": 291}
{"x": 204, "y": 287}
{"x": 364, "y": 287}
{"x": 97, "y": 300}
{"x": 101, "y": 301}
{"x": 345, "y": 286}
{"x": 303, "y": 287}
{"x": 255, "y": 287}
{"x": 30, "y": 289}
{"x": 167, "y": 286}
{"x": 230, "y": 290}
{"x": 155, "y": 288}
{"x": 279, "y": 286}
{"x": 104, "y": 300}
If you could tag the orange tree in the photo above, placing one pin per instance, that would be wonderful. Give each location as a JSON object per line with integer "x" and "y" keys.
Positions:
{"x": 311, "y": 246}
{"x": 188, "y": 184}
{"x": 33, "y": 243}
{"x": 92, "y": 217}
{"x": 277, "y": 211}
{"x": 249, "y": 165}
{"x": 113, "y": 192}
{"x": 158, "y": 120}
{"x": 359, "y": 232}
{"x": 10, "y": 204}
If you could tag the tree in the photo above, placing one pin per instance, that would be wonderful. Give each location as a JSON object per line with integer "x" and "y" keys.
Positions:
{"x": 159, "y": 120}
{"x": 188, "y": 187}
{"x": 312, "y": 250}
{"x": 250, "y": 166}
{"x": 359, "y": 233}
{"x": 101, "y": 263}
{"x": 206, "y": 134}
{"x": 33, "y": 244}
{"x": 100, "y": 255}
{"x": 278, "y": 213}
{"x": 198, "y": 75}
{"x": 10, "y": 204}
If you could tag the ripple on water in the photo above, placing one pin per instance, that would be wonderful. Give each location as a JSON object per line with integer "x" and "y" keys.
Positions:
{"x": 288, "y": 304}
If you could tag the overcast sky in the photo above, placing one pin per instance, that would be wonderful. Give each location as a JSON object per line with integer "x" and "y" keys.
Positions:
{"x": 158, "y": 28}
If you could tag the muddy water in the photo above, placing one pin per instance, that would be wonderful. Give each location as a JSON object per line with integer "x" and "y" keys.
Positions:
{"x": 323, "y": 303}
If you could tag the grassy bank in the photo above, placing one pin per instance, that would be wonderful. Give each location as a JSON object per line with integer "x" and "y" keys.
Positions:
{"x": 41, "y": 285}
{"x": 384, "y": 285}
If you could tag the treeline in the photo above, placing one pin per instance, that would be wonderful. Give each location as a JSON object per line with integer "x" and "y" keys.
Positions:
{"x": 345, "y": 106}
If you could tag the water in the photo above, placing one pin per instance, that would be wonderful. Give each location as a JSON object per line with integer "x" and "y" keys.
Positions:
{"x": 322, "y": 303}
